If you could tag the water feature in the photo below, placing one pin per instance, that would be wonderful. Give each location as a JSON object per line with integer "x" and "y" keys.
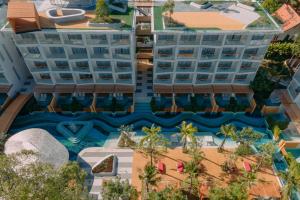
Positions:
{"x": 68, "y": 128}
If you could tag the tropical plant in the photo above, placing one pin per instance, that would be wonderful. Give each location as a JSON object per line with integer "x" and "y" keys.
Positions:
{"x": 149, "y": 178}
{"x": 101, "y": 12}
{"x": 168, "y": 193}
{"x": 39, "y": 180}
{"x": 248, "y": 178}
{"x": 196, "y": 153}
{"x": 271, "y": 5}
{"x": 265, "y": 154}
{"x": 276, "y": 132}
{"x": 187, "y": 132}
{"x": 153, "y": 142}
{"x": 118, "y": 190}
{"x": 234, "y": 191}
{"x": 229, "y": 165}
{"x": 125, "y": 139}
{"x": 3, "y": 137}
{"x": 291, "y": 178}
{"x": 169, "y": 7}
{"x": 191, "y": 184}
{"x": 228, "y": 130}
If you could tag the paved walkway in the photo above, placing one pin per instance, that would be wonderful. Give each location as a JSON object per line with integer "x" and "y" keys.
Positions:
{"x": 10, "y": 113}
{"x": 90, "y": 156}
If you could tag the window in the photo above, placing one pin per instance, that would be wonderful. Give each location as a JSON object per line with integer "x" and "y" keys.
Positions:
{"x": 103, "y": 64}
{"x": 45, "y": 76}
{"x": 210, "y": 37}
{"x": 204, "y": 65}
{"x": 221, "y": 76}
{"x": 234, "y": 37}
{"x": 51, "y": 36}
{"x": 62, "y": 64}
{"x": 122, "y": 51}
{"x": 164, "y": 65}
{"x": 165, "y": 52}
{"x": 188, "y": 38}
{"x": 40, "y": 64}
{"x": 78, "y": 51}
{"x": 75, "y": 37}
{"x": 85, "y": 76}
{"x": 29, "y": 36}
{"x": 120, "y": 37}
{"x": 105, "y": 76}
{"x": 98, "y": 37}
{"x": 182, "y": 76}
{"x": 208, "y": 52}
{"x": 164, "y": 77}
{"x": 241, "y": 77}
{"x": 57, "y": 50}
{"x": 100, "y": 50}
{"x": 166, "y": 37}
{"x": 186, "y": 51}
{"x": 202, "y": 77}
{"x": 33, "y": 50}
{"x": 184, "y": 64}
{"x": 82, "y": 64}
{"x": 66, "y": 76}
{"x": 257, "y": 37}
{"x": 251, "y": 51}
{"x": 225, "y": 65}
{"x": 229, "y": 51}
{"x": 123, "y": 64}
{"x": 125, "y": 76}
{"x": 246, "y": 65}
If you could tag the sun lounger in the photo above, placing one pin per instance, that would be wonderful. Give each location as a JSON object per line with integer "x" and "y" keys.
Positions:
{"x": 180, "y": 167}
{"x": 247, "y": 166}
{"x": 160, "y": 166}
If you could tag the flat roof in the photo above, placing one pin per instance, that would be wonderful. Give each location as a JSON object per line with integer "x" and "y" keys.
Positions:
{"x": 221, "y": 15}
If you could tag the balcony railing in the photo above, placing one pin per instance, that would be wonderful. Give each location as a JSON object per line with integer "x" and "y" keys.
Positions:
{"x": 106, "y": 81}
{"x": 230, "y": 55}
{"x": 209, "y": 56}
{"x": 78, "y": 56}
{"x": 164, "y": 69}
{"x": 73, "y": 41}
{"x": 103, "y": 69}
{"x": 45, "y": 81}
{"x": 39, "y": 69}
{"x": 50, "y": 41}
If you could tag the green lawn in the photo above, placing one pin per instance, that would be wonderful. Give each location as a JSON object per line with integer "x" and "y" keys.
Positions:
{"x": 126, "y": 18}
{"x": 158, "y": 25}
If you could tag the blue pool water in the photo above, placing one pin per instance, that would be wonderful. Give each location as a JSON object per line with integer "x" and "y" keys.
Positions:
{"x": 104, "y": 124}
{"x": 294, "y": 151}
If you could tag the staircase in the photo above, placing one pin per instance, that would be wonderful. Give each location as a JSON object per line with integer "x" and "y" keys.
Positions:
{"x": 142, "y": 107}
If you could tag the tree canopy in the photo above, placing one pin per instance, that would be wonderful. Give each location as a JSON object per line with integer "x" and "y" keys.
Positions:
{"x": 271, "y": 5}
{"x": 40, "y": 181}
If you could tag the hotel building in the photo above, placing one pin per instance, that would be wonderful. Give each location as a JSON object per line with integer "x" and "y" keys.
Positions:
{"x": 211, "y": 51}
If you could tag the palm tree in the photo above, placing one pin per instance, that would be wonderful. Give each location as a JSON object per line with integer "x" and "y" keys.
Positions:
{"x": 292, "y": 179}
{"x": 187, "y": 132}
{"x": 276, "y": 132}
{"x": 266, "y": 153}
{"x": 248, "y": 178}
{"x": 3, "y": 137}
{"x": 125, "y": 139}
{"x": 149, "y": 177}
{"x": 227, "y": 130}
{"x": 192, "y": 183}
{"x": 152, "y": 142}
{"x": 169, "y": 7}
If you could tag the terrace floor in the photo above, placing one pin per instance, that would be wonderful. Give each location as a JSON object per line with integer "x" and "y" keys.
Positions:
{"x": 267, "y": 184}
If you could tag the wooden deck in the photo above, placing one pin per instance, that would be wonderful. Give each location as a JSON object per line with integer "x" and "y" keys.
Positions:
{"x": 267, "y": 184}
{"x": 10, "y": 113}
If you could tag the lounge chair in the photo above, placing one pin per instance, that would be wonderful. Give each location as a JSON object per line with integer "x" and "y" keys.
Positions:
{"x": 247, "y": 166}
{"x": 180, "y": 167}
{"x": 161, "y": 167}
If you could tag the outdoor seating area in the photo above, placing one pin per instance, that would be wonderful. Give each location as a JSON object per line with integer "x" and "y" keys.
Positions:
{"x": 173, "y": 163}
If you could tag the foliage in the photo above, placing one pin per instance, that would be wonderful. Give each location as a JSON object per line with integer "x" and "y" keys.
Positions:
{"x": 101, "y": 13}
{"x": 272, "y": 121}
{"x": 187, "y": 132}
{"x": 40, "y": 181}
{"x": 149, "y": 177}
{"x": 261, "y": 85}
{"x": 280, "y": 51}
{"x": 118, "y": 190}
{"x": 229, "y": 165}
{"x": 243, "y": 150}
{"x": 266, "y": 153}
{"x": 228, "y": 130}
{"x": 3, "y": 137}
{"x": 152, "y": 142}
{"x": 276, "y": 132}
{"x": 291, "y": 178}
{"x": 196, "y": 154}
{"x": 271, "y": 5}
{"x": 191, "y": 183}
{"x": 234, "y": 191}
{"x": 126, "y": 136}
{"x": 248, "y": 178}
{"x": 168, "y": 193}
{"x": 169, "y": 7}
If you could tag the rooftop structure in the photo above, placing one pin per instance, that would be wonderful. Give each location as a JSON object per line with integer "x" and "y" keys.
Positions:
{"x": 216, "y": 15}
{"x": 46, "y": 147}
{"x": 288, "y": 17}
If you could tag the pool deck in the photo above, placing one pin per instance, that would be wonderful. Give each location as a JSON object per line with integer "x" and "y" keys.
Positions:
{"x": 267, "y": 184}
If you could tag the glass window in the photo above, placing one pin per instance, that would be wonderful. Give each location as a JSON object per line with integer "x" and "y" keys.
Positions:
{"x": 57, "y": 50}
{"x": 125, "y": 76}
{"x": 166, "y": 37}
{"x": 62, "y": 64}
{"x": 208, "y": 51}
{"x": 98, "y": 37}
{"x": 210, "y": 37}
{"x": 78, "y": 51}
{"x": 188, "y": 38}
{"x": 221, "y": 76}
{"x": 204, "y": 65}
{"x": 122, "y": 51}
{"x": 82, "y": 64}
{"x": 74, "y": 37}
{"x": 100, "y": 50}
{"x": 52, "y": 36}
{"x": 85, "y": 76}
{"x": 103, "y": 64}
{"x": 123, "y": 64}
{"x": 45, "y": 76}
{"x": 241, "y": 77}
{"x": 234, "y": 37}
{"x": 28, "y": 36}
{"x": 40, "y": 64}
{"x": 66, "y": 76}
{"x": 105, "y": 76}
{"x": 258, "y": 37}
{"x": 33, "y": 50}
{"x": 202, "y": 77}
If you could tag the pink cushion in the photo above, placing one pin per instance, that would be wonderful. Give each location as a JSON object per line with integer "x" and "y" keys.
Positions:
{"x": 247, "y": 166}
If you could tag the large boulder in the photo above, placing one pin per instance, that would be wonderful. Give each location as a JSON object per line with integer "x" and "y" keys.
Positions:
{"x": 45, "y": 147}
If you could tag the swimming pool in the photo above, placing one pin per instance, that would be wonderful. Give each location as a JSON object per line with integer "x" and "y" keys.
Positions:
{"x": 104, "y": 124}
{"x": 294, "y": 151}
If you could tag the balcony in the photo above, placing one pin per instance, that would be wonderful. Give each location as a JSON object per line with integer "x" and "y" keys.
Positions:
{"x": 44, "y": 81}
{"x": 164, "y": 69}
{"x": 125, "y": 41}
{"x": 203, "y": 80}
{"x": 124, "y": 81}
{"x": 209, "y": 56}
{"x": 98, "y": 55}
{"x": 53, "y": 40}
{"x": 23, "y": 40}
{"x": 165, "y": 55}
{"x": 64, "y": 80}
{"x": 163, "y": 81}
{"x": 103, "y": 69}
{"x": 166, "y": 42}
{"x": 230, "y": 56}
{"x": 81, "y": 69}
{"x": 222, "y": 80}
{"x": 74, "y": 41}
{"x": 185, "y": 55}
{"x": 61, "y": 69}
{"x": 3, "y": 81}
{"x": 185, "y": 69}
{"x": 226, "y": 69}
{"x": 121, "y": 56}
{"x": 85, "y": 81}
{"x": 56, "y": 55}
{"x": 78, "y": 56}
{"x": 32, "y": 56}
{"x": 212, "y": 42}
{"x": 39, "y": 69}
{"x": 105, "y": 81}
{"x": 242, "y": 80}
{"x": 248, "y": 69}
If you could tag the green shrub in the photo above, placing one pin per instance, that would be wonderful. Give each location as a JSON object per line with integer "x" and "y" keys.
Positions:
{"x": 244, "y": 150}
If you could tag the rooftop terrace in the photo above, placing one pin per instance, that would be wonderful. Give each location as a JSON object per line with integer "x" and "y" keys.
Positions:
{"x": 216, "y": 15}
